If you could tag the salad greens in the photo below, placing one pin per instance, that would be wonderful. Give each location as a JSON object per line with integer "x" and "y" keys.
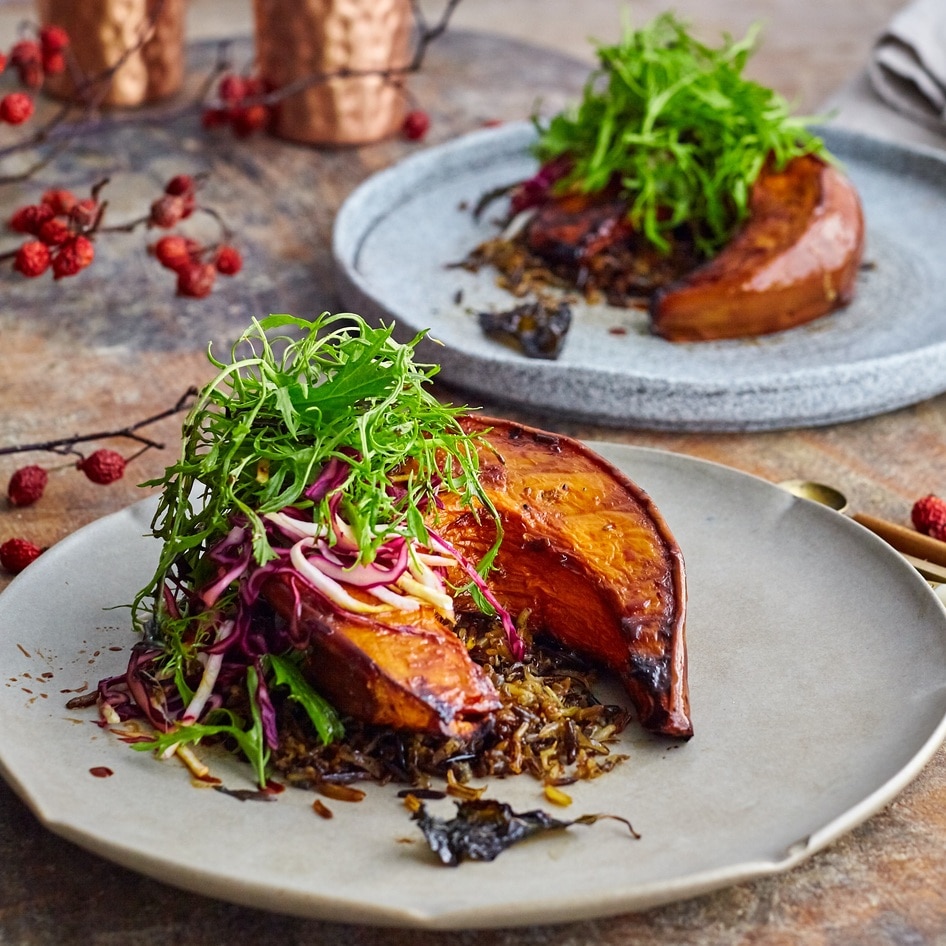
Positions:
{"x": 319, "y": 453}
{"x": 265, "y": 427}
{"x": 676, "y": 125}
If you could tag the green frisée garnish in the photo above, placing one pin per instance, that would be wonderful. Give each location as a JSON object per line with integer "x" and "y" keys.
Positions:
{"x": 317, "y": 454}
{"x": 266, "y": 426}
{"x": 680, "y": 131}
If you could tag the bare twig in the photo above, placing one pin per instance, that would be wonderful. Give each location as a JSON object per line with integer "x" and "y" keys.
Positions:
{"x": 65, "y": 445}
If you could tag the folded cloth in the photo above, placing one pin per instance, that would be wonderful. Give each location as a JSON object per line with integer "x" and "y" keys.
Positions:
{"x": 907, "y": 68}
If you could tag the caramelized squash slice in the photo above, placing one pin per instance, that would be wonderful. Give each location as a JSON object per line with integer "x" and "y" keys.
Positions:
{"x": 587, "y": 553}
{"x": 795, "y": 259}
{"x": 405, "y": 670}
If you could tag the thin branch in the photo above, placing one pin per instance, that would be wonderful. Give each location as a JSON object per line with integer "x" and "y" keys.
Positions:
{"x": 428, "y": 34}
{"x": 64, "y": 444}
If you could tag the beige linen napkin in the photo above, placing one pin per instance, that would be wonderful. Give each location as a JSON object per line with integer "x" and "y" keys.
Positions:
{"x": 907, "y": 68}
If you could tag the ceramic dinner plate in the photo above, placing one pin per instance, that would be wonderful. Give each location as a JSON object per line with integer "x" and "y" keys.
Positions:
{"x": 817, "y": 661}
{"x": 398, "y": 234}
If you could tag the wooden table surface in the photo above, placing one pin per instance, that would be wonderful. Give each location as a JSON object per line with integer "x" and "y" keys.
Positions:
{"x": 115, "y": 345}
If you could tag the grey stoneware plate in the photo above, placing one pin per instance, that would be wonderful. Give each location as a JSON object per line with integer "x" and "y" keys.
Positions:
{"x": 817, "y": 660}
{"x": 397, "y": 234}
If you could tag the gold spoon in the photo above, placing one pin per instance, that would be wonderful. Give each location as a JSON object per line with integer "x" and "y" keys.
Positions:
{"x": 817, "y": 492}
{"x": 926, "y": 554}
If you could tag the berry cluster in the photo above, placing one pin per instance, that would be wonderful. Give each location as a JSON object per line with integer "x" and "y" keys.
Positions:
{"x": 196, "y": 265}
{"x": 929, "y": 516}
{"x": 62, "y": 227}
{"x": 243, "y": 104}
{"x": 102, "y": 466}
{"x": 27, "y": 486}
{"x": 240, "y": 105}
{"x": 28, "y": 483}
{"x": 32, "y": 60}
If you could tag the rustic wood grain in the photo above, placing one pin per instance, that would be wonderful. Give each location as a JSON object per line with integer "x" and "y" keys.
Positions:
{"x": 115, "y": 345}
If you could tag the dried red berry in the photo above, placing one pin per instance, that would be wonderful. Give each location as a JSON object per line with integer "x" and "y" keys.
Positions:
{"x": 26, "y": 58}
{"x": 929, "y": 516}
{"x": 84, "y": 213}
{"x": 196, "y": 280}
{"x": 59, "y": 200}
{"x": 167, "y": 211}
{"x": 232, "y": 88}
{"x": 247, "y": 121}
{"x": 180, "y": 185}
{"x": 3, "y": 61}
{"x": 32, "y": 259}
{"x": 26, "y": 485}
{"x": 416, "y": 124}
{"x": 229, "y": 261}
{"x": 25, "y": 55}
{"x": 53, "y": 63}
{"x": 16, "y": 554}
{"x": 103, "y": 466}
{"x": 54, "y": 232}
{"x": 73, "y": 256}
{"x": 190, "y": 203}
{"x": 25, "y": 50}
{"x": 174, "y": 251}
{"x": 30, "y": 218}
{"x": 16, "y": 108}
{"x": 53, "y": 39}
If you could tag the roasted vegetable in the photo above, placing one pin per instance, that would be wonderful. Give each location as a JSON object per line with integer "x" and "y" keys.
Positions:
{"x": 675, "y": 128}
{"x": 326, "y": 515}
{"x": 585, "y": 553}
{"x": 795, "y": 259}
{"x": 588, "y": 555}
{"x": 404, "y": 670}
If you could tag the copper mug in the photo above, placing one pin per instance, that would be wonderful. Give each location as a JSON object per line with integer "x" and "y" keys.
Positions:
{"x": 148, "y": 34}
{"x": 302, "y": 41}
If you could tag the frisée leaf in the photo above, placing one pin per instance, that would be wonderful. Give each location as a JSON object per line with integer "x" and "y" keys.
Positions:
{"x": 678, "y": 129}
{"x": 320, "y": 711}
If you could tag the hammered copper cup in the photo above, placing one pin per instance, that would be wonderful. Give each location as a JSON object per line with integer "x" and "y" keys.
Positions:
{"x": 298, "y": 40}
{"x": 149, "y": 34}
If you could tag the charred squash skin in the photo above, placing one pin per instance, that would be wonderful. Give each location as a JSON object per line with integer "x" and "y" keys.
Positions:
{"x": 588, "y": 554}
{"x": 795, "y": 259}
{"x": 405, "y": 670}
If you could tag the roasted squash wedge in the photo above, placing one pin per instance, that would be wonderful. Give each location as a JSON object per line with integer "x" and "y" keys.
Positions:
{"x": 795, "y": 259}
{"x": 588, "y": 554}
{"x": 406, "y": 670}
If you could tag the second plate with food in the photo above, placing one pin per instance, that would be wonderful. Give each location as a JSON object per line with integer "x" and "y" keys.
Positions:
{"x": 398, "y": 236}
